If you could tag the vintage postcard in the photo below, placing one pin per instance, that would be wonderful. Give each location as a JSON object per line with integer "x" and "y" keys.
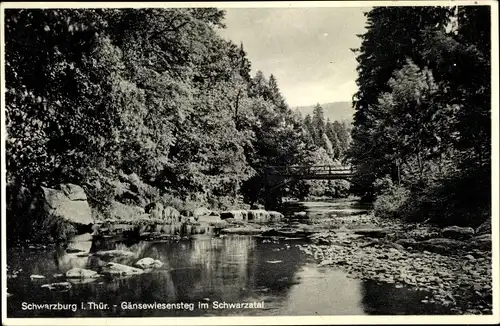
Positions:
{"x": 222, "y": 163}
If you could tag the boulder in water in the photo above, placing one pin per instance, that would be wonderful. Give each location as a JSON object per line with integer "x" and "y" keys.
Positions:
{"x": 115, "y": 269}
{"x": 58, "y": 286}
{"x": 81, "y": 273}
{"x": 275, "y": 216}
{"x": 148, "y": 262}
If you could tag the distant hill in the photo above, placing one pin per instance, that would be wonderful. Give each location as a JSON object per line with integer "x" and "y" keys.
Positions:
{"x": 334, "y": 111}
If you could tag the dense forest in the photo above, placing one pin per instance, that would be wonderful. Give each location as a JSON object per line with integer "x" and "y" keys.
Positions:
{"x": 154, "y": 93}
{"x": 422, "y": 130}
{"x": 95, "y": 94}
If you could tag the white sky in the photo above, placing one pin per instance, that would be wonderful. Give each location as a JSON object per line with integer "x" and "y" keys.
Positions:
{"x": 307, "y": 49}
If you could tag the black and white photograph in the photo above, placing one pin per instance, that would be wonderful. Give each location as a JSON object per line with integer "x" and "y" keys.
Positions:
{"x": 286, "y": 162}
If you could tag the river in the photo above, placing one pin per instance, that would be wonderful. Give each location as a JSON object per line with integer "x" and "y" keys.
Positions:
{"x": 203, "y": 272}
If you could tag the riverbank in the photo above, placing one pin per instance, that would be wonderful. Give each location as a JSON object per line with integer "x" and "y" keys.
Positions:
{"x": 456, "y": 273}
{"x": 425, "y": 269}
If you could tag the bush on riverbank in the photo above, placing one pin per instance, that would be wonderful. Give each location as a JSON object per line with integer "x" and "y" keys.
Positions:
{"x": 390, "y": 203}
{"x": 445, "y": 201}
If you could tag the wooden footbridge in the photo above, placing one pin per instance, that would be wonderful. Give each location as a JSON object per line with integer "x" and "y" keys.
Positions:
{"x": 314, "y": 172}
{"x": 276, "y": 177}
{"x": 279, "y": 176}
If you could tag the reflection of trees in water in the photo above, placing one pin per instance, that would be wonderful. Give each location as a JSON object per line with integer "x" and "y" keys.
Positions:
{"x": 67, "y": 260}
{"x": 234, "y": 267}
{"x": 215, "y": 268}
{"x": 231, "y": 268}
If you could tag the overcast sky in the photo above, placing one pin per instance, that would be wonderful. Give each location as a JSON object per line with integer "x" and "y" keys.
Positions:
{"x": 307, "y": 49}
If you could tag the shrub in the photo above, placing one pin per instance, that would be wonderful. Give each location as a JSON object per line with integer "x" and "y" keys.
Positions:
{"x": 382, "y": 185}
{"x": 390, "y": 203}
{"x": 340, "y": 188}
{"x": 457, "y": 200}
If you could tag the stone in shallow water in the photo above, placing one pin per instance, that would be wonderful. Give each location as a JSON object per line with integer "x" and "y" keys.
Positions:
{"x": 148, "y": 262}
{"x": 36, "y": 277}
{"x": 60, "y": 286}
{"x": 81, "y": 273}
{"x": 115, "y": 269}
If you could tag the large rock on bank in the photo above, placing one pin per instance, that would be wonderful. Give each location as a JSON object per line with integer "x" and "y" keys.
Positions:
{"x": 124, "y": 212}
{"x": 441, "y": 245}
{"x": 69, "y": 203}
{"x": 167, "y": 214}
{"x": 457, "y": 232}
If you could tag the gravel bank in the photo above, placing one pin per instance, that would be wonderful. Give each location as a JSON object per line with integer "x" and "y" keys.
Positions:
{"x": 460, "y": 278}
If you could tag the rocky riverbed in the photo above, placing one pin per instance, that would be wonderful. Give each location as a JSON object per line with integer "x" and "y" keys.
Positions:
{"x": 457, "y": 273}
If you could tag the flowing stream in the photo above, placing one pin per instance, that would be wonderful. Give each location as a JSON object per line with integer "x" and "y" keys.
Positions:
{"x": 200, "y": 274}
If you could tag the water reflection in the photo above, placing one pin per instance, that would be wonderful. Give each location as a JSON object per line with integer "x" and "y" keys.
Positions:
{"x": 345, "y": 207}
{"x": 228, "y": 268}
{"x": 231, "y": 269}
{"x": 385, "y": 299}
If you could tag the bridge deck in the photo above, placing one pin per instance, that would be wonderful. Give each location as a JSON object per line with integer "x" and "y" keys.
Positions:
{"x": 312, "y": 172}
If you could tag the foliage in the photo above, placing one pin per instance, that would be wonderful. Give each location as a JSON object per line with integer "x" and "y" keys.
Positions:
{"x": 332, "y": 136}
{"x": 423, "y": 112}
{"x": 94, "y": 95}
{"x": 389, "y": 204}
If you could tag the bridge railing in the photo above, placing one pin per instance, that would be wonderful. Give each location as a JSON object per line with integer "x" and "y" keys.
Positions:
{"x": 309, "y": 170}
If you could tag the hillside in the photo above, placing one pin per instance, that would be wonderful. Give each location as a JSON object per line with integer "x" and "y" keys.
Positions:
{"x": 334, "y": 111}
